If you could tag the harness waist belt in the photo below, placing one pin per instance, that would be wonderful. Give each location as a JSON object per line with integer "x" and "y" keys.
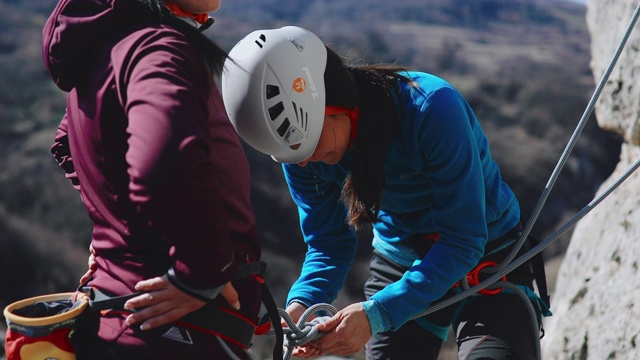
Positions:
{"x": 225, "y": 323}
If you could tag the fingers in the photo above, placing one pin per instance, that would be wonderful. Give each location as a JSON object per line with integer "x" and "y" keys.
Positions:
{"x": 306, "y": 351}
{"x": 92, "y": 264}
{"x": 161, "y": 304}
{"x": 230, "y": 294}
{"x": 156, "y": 283}
{"x": 164, "y": 310}
{"x": 347, "y": 332}
{"x": 143, "y": 300}
{"x": 156, "y": 290}
{"x": 157, "y": 315}
{"x": 86, "y": 276}
{"x": 328, "y": 324}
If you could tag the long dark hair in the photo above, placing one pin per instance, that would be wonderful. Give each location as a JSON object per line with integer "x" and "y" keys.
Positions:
{"x": 377, "y": 129}
{"x": 212, "y": 55}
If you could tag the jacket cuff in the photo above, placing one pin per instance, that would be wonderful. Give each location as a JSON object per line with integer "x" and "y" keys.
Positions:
{"x": 379, "y": 320}
{"x": 299, "y": 302}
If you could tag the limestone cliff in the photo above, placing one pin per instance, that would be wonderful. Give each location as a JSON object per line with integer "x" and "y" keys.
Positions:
{"x": 596, "y": 300}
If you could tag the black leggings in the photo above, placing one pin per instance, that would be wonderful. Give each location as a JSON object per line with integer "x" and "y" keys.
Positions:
{"x": 489, "y": 327}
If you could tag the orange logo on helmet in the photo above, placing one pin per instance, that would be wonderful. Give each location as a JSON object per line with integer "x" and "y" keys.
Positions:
{"x": 299, "y": 85}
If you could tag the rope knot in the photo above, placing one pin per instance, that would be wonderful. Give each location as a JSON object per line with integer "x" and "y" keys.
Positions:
{"x": 303, "y": 332}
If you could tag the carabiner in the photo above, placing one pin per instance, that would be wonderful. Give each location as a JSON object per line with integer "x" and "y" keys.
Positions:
{"x": 473, "y": 278}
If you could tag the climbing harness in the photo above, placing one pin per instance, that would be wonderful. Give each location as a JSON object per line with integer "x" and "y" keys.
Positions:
{"x": 41, "y": 327}
{"x": 221, "y": 323}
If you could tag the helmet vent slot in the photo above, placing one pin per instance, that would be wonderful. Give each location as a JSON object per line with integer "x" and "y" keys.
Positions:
{"x": 302, "y": 116}
{"x": 263, "y": 39}
{"x": 276, "y": 110}
{"x": 282, "y": 129}
{"x": 272, "y": 91}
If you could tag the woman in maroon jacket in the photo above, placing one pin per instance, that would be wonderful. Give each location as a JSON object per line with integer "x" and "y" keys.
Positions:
{"x": 146, "y": 141}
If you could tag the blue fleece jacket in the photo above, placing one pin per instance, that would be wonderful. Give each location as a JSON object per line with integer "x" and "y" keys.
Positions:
{"x": 440, "y": 177}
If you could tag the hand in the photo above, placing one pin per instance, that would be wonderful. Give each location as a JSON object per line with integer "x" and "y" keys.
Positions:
{"x": 230, "y": 294}
{"x": 162, "y": 303}
{"x": 93, "y": 265}
{"x": 347, "y": 332}
{"x": 295, "y": 311}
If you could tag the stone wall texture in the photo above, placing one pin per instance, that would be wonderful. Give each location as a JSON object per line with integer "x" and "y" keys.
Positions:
{"x": 596, "y": 301}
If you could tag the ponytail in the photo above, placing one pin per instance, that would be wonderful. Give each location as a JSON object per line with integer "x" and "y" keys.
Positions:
{"x": 377, "y": 129}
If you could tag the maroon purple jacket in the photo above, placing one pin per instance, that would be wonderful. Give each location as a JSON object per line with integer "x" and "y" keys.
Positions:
{"x": 146, "y": 141}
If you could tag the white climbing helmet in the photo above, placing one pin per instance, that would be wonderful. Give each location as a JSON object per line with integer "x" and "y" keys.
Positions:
{"x": 273, "y": 90}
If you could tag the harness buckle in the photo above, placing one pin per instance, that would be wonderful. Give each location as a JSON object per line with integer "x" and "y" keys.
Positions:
{"x": 473, "y": 278}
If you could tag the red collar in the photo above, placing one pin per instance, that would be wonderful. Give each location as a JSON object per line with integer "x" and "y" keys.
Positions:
{"x": 354, "y": 116}
{"x": 177, "y": 10}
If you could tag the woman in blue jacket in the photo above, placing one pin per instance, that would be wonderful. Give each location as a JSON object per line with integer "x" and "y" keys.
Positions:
{"x": 397, "y": 150}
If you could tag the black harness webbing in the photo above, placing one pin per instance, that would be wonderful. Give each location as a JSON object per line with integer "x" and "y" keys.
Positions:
{"x": 227, "y": 324}
{"x": 274, "y": 316}
{"x": 537, "y": 265}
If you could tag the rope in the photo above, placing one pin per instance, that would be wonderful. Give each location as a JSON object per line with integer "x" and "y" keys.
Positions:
{"x": 303, "y": 332}
{"x": 581, "y": 124}
{"x": 295, "y": 334}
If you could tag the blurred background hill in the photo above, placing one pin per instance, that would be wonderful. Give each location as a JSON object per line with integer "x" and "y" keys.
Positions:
{"x": 522, "y": 64}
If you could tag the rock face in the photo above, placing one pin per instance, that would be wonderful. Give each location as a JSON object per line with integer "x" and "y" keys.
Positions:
{"x": 595, "y": 302}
